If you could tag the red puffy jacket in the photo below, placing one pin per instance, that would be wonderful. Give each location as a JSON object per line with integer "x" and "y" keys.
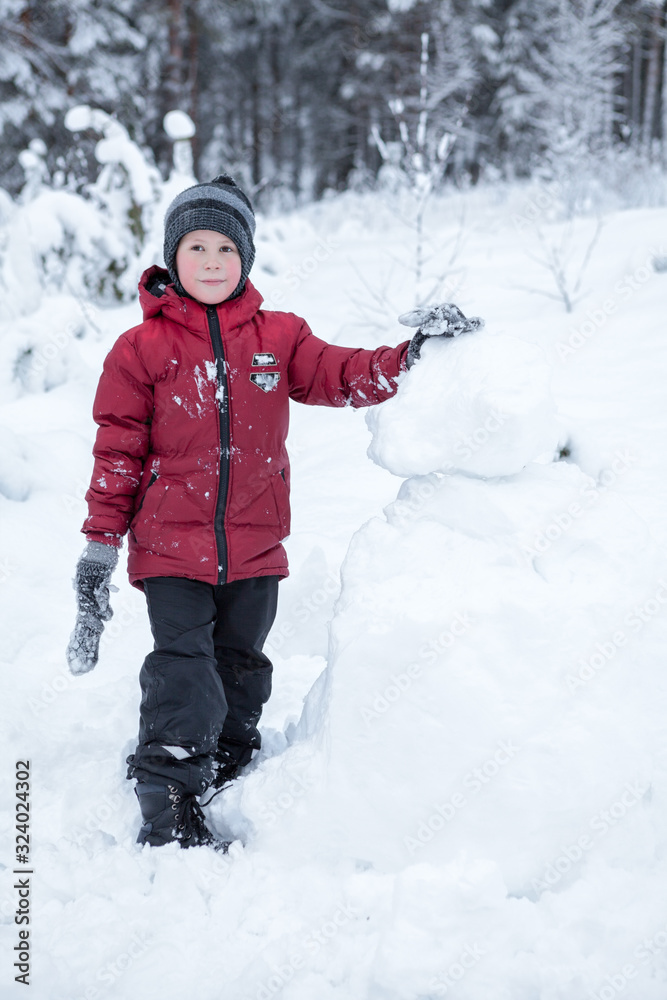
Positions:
{"x": 193, "y": 412}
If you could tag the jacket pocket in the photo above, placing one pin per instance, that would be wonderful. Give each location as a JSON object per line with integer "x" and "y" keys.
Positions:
{"x": 144, "y": 517}
{"x": 281, "y": 495}
{"x": 154, "y": 476}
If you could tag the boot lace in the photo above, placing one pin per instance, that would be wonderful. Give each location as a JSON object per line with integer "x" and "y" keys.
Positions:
{"x": 190, "y": 827}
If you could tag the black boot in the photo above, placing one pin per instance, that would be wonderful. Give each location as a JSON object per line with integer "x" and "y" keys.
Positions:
{"x": 170, "y": 814}
{"x": 226, "y": 768}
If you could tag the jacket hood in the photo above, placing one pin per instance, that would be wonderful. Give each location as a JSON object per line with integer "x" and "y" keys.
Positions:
{"x": 157, "y": 295}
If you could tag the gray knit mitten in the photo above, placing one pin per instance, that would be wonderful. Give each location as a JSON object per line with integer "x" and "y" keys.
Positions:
{"x": 445, "y": 320}
{"x": 91, "y": 583}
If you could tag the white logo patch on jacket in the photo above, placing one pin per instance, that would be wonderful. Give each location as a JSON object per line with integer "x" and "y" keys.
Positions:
{"x": 263, "y": 359}
{"x": 265, "y": 380}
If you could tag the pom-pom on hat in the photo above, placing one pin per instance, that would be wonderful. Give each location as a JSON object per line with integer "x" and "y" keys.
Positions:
{"x": 218, "y": 205}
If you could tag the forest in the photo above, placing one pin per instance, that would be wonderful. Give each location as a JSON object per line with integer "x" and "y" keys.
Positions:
{"x": 301, "y": 97}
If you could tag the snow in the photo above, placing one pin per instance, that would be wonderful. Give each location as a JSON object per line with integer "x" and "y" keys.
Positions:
{"x": 476, "y": 403}
{"x": 463, "y": 786}
{"x": 115, "y": 148}
{"x": 178, "y": 125}
{"x": 80, "y": 117}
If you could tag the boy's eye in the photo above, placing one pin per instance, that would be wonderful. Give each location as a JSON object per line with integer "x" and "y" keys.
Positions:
{"x": 225, "y": 248}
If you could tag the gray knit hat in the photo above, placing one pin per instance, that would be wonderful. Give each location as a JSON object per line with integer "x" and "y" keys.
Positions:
{"x": 218, "y": 205}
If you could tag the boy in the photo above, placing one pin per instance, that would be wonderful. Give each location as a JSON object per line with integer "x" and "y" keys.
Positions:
{"x": 190, "y": 459}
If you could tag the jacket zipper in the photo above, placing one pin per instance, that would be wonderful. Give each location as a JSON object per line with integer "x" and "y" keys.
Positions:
{"x": 223, "y": 410}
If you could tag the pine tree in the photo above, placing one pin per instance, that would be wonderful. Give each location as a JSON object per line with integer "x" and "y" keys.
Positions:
{"x": 56, "y": 55}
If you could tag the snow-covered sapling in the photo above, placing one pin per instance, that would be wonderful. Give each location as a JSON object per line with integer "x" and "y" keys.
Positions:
{"x": 560, "y": 260}
{"x": 181, "y": 130}
{"x": 445, "y": 320}
{"x": 418, "y": 162}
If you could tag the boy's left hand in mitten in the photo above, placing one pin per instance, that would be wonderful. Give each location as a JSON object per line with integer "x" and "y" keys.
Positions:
{"x": 93, "y": 576}
{"x": 445, "y": 320}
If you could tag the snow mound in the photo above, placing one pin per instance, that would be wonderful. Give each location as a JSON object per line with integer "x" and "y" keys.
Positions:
{"x": 483, "y": 634}
{"x": 465, "y": 743}
{"x": 479, "y": 404}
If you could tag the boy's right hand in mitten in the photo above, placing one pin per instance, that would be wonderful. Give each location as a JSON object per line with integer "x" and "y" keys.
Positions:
{"x": 93, "y": 576}
{"x": 445, "y": 320}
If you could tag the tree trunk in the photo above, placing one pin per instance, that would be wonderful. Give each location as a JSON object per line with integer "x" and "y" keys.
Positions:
{"x": 297, "y": 137}
{"x": 192, "y": 102}
{"x": 174, "y": 63}
{"x": 652, "y": 81}
{"x": 256, "y": 126}
{"x": 664, "y": 93}
{"x": 635, "y": 114}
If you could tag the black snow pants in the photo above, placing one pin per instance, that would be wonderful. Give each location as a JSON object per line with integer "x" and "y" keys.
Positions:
{"x": 205, "y": 682}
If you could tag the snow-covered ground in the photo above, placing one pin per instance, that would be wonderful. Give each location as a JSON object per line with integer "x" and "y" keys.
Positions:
{"x": 473, "y": 802}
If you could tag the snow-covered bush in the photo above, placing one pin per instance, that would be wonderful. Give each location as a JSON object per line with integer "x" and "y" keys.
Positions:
{"x": 86, "y": 244}
{"x": 38, "y": 352}
{"x": 126, "y": 191}
{"x": 64, "y": 254}
{"x": 60, "y": 242}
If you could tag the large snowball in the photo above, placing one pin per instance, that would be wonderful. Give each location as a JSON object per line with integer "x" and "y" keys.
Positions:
{"x": 478, "y": 404}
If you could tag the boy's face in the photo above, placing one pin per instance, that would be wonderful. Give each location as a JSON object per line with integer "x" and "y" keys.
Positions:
{"x": 208, "y": 265}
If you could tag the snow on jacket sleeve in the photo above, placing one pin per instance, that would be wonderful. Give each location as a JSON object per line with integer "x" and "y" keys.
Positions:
{"x": 123, "y": 409}
{"x": 339, "y": 376}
